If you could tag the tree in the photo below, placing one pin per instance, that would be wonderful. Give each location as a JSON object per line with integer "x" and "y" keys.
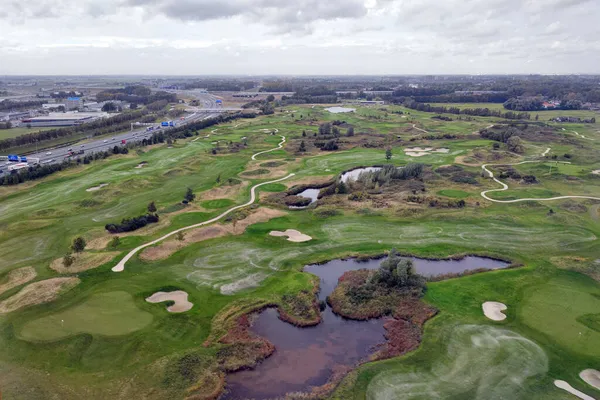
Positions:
{"x": 350, "y": 131}
{"x": 68, "y": 260}
{"x": 180, "y": 236}
{"x": 270, "y": 98}
{"x": 218, "y": 180}
{"x": 341, "y": 187}
{"x": 133, "y": 106}
{"x": 396, "y": 271}
{"x": 302, "y": 147}
{"x": 388, "y": 154}
{"x": 336, "y": 131}
{"x": 78, "y": 244}
{"x": 515, "y": 144}
{"x": 115, "y": 242}
{"x": 109, "y": 107}
{"x": 303, "y": 133}
{"x": 151, "y": 207}
{"x": 189, "y": 195}
{"x": 325, "y": 129}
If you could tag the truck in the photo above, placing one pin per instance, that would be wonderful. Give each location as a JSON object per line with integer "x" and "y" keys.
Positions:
{"x": 23, "y": 159}
{"x": 171, "y": 123}
{"x": 123, "y": 141}
{"x": 16, "y": 167}
{"x": 13, "y": 158}
{"x": 150, "y": 128}
{"x": 72, "y": 153}
{"x": 165, "y": 123}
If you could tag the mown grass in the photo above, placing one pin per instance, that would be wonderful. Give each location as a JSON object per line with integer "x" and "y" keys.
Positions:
{"x": 94, "y": 357}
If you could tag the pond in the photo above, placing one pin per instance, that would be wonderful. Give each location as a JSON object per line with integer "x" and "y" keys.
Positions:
{"x": 355, "y": 173}
{"x": 312, "y": 194}
{"x": 338, "y": 110}
{"x": 308, "y": 357}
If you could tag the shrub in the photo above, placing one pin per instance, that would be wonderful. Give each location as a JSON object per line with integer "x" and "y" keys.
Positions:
{"x": 132, "y": 224}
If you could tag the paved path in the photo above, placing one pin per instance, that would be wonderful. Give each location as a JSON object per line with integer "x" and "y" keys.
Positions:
{"x": 419, "y": 129}
{"x": 546, "y": 152}
{"x": 268, "y": 151}
{"x": 121, "y": 265}
{"x": 505, "y": 187}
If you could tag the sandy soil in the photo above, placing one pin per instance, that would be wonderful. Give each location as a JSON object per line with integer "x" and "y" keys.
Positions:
{"x": 591, "y": 377}
{"x": 38, "y": 293}
{"x": 565, "y": 386}
{"x": 83, "y": 262}
{"x": 98, "y": 243}
{"x": 17, "y": 277}
{"x": 95, "y": 188}
{"x": 167, "y": 248}
{"x": 292, "y": 235}
{"x": 493, "y": 310}
{"x": 179, "y": 297}
{"x": 416, "y": 153}
{"x": 461, "y": 160}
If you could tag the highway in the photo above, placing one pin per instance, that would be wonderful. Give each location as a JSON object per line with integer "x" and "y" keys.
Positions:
{"x": 208, "y": 109}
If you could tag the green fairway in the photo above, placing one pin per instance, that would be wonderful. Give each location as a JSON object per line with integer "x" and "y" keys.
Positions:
{"x": 106, "y": 314}
{"x": 101, "y": 339}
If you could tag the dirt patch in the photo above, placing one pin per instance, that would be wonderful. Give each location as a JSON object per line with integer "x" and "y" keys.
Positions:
{"x": 38, "y": 293}
{"x": 591, "y": 377}
{"x": 168, "y": 247}
{"x": 83, "y": 262}
{"x": 98, "y": 243}
{"x": 17, "y": 277}
{"x": 461, "y": 160}
{"x": 292, "y": 235}
{"x": 179, "y": 297}
{"x": 493, "y": 310}
{"x": 96, "y": 188}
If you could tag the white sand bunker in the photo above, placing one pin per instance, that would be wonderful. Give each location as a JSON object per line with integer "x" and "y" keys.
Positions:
{"x": 591, "y": 377}
{"x": 596, "y": 172}
{"x": 565, "y": 386}
{"x": 141, "y": 165}
{"x": 93, "y": 189}
{"x": 179, "y": 297}
{"x": 420, "y": 152}
{"x": 493, "y": 310}
{"x": 292, "y": 235}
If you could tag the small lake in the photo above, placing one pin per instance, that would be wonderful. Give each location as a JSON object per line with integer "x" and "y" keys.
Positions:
{"x": 355, "y": 173}
{"x": 339, "y": 110}
{"x": 312, "y": 194}
{"x": 307, "y": 357}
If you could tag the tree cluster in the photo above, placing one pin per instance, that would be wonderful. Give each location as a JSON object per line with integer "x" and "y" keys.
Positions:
{"x": 135, "y": 94}
{"x": 480, "y": 112}
{"x": 132, "y": 224}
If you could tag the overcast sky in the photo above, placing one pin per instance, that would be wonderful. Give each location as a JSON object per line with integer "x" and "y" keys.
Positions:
{"x": 196, "y": 37}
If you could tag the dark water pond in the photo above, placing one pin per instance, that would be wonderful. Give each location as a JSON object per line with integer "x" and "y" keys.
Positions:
{"x": 312, "y": 194}
{"x": 306, "y": 357}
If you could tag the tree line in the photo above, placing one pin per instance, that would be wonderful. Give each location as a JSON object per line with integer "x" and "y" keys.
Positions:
{"x": 135, "y": 94}
{"x": 132, "y": 224}
{"x": 480, "y": 112}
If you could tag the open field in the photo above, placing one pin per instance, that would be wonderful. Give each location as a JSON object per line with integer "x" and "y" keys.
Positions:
{"x": 14, "y": 132}
{"x": 103, "y": 339}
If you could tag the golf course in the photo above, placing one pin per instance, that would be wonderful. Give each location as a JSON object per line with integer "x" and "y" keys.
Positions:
{"x": 183, "y": 306}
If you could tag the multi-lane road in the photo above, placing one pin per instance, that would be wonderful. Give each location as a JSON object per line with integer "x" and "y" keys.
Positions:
{"x": 208, "y": 109}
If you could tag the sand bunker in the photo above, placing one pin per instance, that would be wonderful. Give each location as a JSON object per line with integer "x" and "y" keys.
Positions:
{"x": 292, "y": 235}
{"x": 179, "y": 297}
{"x": 493, "y": 310}
{"x": 17, "y": 277}
{"x": 93, "y": 189}
{"x": 565, "y": 386}
{"x": 141, "y": 165}
{"x": 591, "y": 377}
{"x": 420, "y": 152}
{"x": 167, "y": 248}
{"x": 38, "y": 293}
{"x": 596, "y": 172}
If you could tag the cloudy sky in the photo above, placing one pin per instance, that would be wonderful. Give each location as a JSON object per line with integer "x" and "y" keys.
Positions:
{"x": 196, "y": 37}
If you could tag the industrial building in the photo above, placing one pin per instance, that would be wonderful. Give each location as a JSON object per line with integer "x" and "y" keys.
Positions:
{"x": 60, "y": 119}
{"x": 74, "y": 103}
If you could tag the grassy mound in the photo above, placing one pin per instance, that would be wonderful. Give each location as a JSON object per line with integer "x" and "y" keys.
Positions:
{"x": 217, "y": 203}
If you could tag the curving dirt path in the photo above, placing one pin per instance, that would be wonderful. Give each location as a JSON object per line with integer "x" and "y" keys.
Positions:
{"x": 419, "y": 129}
{"x": 505, "y": 187}
{"x": 268, "y": 151}
{"x": 121, "y": 264}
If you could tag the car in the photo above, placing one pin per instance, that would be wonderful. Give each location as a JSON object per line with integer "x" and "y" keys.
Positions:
{"x": 70, "y": 149}
{"x": 112, "y": 139}
{"x": 49, "y": 153}
{"x": 104, "y": 141}
{"x": 82, "y": 145}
